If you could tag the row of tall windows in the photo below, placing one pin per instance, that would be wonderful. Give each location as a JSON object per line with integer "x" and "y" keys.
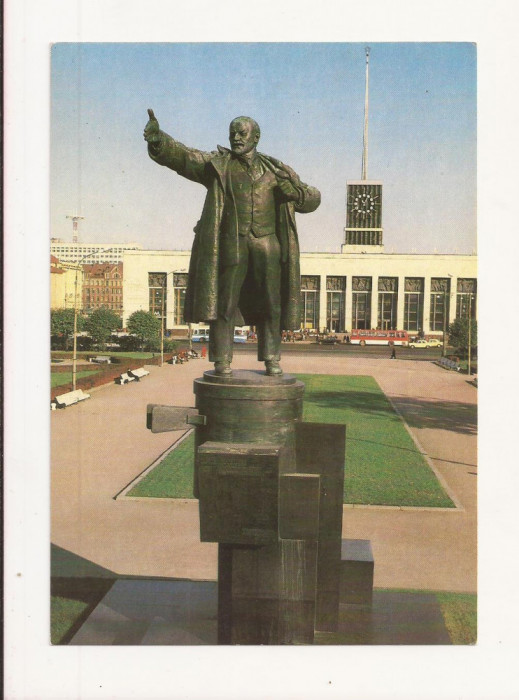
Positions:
{"x": 157, "y": 293}
{"x": 361, "y": 290}
{"x": 387, "y": 301}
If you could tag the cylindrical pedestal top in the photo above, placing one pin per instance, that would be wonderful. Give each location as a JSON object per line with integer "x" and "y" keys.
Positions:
{"x": 248, "y": 407}
{"x": 249, "y": 385}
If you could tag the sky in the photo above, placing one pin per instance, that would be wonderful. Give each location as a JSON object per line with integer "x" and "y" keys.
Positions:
{"x": 309, "y": 101}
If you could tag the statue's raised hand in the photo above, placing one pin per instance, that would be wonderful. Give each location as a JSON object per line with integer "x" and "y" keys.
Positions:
{"x": 152, "y": 130}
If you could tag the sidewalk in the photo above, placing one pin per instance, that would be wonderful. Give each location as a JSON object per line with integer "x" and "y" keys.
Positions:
{"x": 100, "y": 445}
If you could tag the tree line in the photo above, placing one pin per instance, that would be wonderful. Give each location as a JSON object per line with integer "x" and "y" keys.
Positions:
{"x": 101, "y": 324}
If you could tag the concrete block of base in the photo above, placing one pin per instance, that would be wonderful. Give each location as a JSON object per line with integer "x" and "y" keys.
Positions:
{"x": 357, "y": 567}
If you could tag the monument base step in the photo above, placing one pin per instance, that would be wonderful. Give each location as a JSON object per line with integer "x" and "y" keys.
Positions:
{"x": 169, "y": 613}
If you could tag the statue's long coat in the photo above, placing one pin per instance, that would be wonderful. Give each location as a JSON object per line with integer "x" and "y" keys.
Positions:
{"x": 216, "y": 246}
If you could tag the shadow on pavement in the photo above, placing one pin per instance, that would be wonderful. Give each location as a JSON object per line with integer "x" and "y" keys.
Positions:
{"x": 418, "y": 413}
{"x": 453, "y": 416}
{"x": 69, "y": 565}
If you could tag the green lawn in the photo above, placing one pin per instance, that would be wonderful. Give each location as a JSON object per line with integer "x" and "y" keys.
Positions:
{"x": 64, "y": 613}
{"x": 173, "y": 477}
{"x": 137, "y": 355}
{"x": 72, "y": 600}
{"x": 459, "y": 611}
{"x": 61, "y": 378}
{"x": 383, "y": 465}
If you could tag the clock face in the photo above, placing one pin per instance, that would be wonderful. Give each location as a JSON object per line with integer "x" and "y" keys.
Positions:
{"x": 364, "y": 204}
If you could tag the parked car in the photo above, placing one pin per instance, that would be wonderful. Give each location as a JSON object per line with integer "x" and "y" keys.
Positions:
{"x": 418, "y": 343}
{"x": 434, "y": 343}
{"x": 328, "y": 340}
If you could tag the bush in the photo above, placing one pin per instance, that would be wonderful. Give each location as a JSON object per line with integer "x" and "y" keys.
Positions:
{"x": 58, "y": 342}
{"x": 84, "y": 342}
{"x": 129, "y": 343}
{"x": 152, "y": 345}
{"x": 170, "y": 346}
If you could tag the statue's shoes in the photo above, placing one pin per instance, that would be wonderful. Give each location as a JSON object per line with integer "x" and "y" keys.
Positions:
{"x": 223, "y": 369}
{"x": 273, "y": 369}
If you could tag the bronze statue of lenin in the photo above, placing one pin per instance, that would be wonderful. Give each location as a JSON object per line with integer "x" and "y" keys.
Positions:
{"x": 244, "y": 265}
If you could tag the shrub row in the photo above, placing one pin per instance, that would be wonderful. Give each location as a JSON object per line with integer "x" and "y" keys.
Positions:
{"x": 106, "y": 375}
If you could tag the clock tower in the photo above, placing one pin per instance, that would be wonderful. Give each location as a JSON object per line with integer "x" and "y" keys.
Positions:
{"x": 363, "y": 232}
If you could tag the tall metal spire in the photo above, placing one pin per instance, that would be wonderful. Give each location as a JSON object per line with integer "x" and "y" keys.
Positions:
{"x": 366, "y": 115}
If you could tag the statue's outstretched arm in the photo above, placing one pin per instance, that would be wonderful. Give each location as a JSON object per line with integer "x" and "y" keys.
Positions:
{"x": 165, "y": 150}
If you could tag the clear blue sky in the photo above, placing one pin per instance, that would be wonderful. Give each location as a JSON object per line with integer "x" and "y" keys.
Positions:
{"x": 309, "y": 101}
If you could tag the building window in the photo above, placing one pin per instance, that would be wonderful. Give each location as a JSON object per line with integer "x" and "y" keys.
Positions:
{"x": 335, "y": 303}
{"x": 310, "y": 287}
{"x": 439, "y": 307}
{"x": 387, "y": 302}
{"x": 413, "y": 304}
{"x": 466, "y": 297}
{"x": 179, "y": 295}
{"x": 157, "y": 295}
{"x": 361, "y": 306}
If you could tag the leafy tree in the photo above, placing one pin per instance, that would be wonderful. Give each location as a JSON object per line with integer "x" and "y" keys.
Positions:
{"x": 145, "y": 326}
{"x": 62, "y": 325}
{"x": 459, "y": 334}
{"x": 101, "y": 323}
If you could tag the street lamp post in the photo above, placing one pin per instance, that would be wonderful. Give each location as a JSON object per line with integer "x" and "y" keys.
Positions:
{"x": 444, "y": 320}
{"x": 469, "y": 372}
{"x": 446, "y": 290}
{"x": 162, "y": 322}
{"x": 74, "y": 341}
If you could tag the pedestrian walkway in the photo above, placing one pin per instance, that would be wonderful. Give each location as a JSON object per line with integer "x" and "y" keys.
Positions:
{"x": 99, "y": 446}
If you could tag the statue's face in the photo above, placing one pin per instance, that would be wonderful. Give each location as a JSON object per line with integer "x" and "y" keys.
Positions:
{"x": 242, "y": 137}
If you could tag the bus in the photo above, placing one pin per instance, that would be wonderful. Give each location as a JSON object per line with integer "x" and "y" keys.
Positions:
{"x": 378, "y": 337}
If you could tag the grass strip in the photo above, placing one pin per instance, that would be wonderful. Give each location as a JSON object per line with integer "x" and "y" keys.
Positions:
{"x": 61, "y": 378}
{"x": 382, "y": 467}
{"x": 460, "y": 613}
{"x": 173, "y": 477}
{"x": 72, "y": 601}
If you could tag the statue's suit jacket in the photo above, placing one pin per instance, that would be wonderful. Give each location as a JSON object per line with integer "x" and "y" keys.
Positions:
{"x": 213, "y": 247}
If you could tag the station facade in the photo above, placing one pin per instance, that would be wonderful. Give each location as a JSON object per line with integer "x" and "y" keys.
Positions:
{"x": 339, "y": 291}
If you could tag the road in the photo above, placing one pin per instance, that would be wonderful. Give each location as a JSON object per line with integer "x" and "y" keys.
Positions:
{"x": 369, "y": 351}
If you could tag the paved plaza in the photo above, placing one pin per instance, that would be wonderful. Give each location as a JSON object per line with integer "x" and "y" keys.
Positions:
{"x": 101, "y": 445}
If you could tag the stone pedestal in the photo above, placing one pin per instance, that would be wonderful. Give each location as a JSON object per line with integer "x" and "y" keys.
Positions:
{"x": 270, "y": 491}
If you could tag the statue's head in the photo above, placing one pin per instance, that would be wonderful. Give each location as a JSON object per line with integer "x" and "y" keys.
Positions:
{"x": 244, "y": 134}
